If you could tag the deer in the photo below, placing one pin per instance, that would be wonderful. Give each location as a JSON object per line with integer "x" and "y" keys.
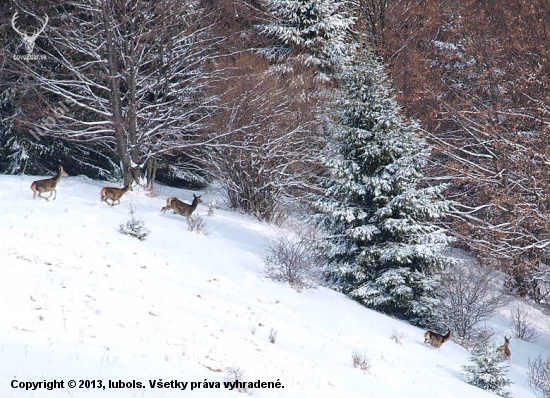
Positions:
{"x": 28, "y": 40}
{"x": 182, "y": 208}
{"x": 114, "y": 194}
{"x": 437, "y": 339}
{"x": 504, "y": 350}
{"x": 48, "y": 185}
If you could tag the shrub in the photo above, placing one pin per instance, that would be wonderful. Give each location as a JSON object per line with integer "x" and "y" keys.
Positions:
{"x": 134, "y": 227}
{"x": 468, "y": 297}
{"x": 272, "y": 336}
{"x": 539, "y": 376}
{"x": 234, "y": 374}
{"x": 290, "y": 261}
{"x": 197, "y": 224}
{"x": 397, "y": 336}
{"x": 520, "y": 322}
{"x": 361, "y": 361}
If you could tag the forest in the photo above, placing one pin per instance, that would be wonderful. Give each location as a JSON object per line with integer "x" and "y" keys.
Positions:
{"x": 396, "y": 129}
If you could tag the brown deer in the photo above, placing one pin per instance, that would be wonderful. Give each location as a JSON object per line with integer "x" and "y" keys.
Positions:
{"x": 48, "y": 185}
{"x": 114, "y": 194}
{"x": 437, "y": 339}
{"x": 180, "y": 207}
{"x": 504, "y": 350}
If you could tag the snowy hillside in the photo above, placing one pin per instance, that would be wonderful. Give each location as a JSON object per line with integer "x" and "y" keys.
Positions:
{"x": 81, "y": 301}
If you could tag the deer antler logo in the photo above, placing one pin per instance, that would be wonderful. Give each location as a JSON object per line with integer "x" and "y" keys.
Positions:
{"x": 28, "y": 40}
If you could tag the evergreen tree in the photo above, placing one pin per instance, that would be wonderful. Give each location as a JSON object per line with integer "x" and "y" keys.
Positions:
{"x": 134, "y": 226}
{"x": 486, "y": 372}
{"x": 311, "y": 32}
{"x": 382, "y": 245}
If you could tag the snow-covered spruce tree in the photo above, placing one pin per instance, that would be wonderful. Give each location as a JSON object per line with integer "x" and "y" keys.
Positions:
{"x": 487, "y": 372}
{"x": 310, "y": 32}
{"x": 382, "y": 245}
{"x": 134, "y": 226}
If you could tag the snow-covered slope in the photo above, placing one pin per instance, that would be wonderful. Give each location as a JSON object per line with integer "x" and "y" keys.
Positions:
{"x": 81, "y": 301}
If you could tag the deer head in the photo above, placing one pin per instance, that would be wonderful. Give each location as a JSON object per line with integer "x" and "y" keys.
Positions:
{"x": 28, "y": 40}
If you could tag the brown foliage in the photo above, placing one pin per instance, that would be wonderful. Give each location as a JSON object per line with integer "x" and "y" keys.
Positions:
{"x": 267, "y": 149}
{"x": 264, "y": 116}
{"x": 475, "y": 74}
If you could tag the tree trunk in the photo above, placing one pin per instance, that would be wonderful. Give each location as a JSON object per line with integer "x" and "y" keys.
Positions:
{"x": 151, "y": 173}
{"x": 128, "y": 172}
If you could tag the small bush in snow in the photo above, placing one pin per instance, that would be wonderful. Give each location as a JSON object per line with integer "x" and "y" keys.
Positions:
{"x": 290, "y": 261}
{"x": 520, "y": 321}
{"x": 234, "y": 374}
{"x": 487, "y": 371}
{"x": 539, "y": 377}
{"x": 211, "y": 209}
{"x": 197, "y": 224}
{"x": 397, "y": 336}
{"x": 360, "y": 361}
{"x": 253, "y": 325}
{"x": 272, "y": 336}
{"x": 135, "y": 227}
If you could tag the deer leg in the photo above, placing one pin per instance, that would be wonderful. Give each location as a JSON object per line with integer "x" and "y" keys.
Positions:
{"x": 52, "y": 192}
{"x": 43, "y": 197}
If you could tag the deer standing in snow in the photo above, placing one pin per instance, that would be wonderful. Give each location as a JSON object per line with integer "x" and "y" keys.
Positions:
{"x": 437, "y": 339}
{"x": 182, "y": 208}
{"x": 504, "y": 350}
{"x": 48, "y": 185}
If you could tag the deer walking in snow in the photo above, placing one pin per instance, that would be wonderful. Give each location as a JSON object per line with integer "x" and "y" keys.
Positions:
{"x": 504, "y": 350}
{"x": 114, "y": 194}
{"x": 437, "y": 339}
{"x": 182, "y": 208}
{"x": 48, "y": 185}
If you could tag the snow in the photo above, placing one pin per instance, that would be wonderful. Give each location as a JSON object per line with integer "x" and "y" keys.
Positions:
{"x": 81, "y": 301}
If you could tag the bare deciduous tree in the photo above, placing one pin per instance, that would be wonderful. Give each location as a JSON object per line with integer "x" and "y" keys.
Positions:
{"x": 539, "y": 376}
{"x": 268, "y": 155}
{"x": 469, "y": 296}
{"x": 131, "y": 72}
{"x": 520, "y": 322}
{"x": 485, "y": 110}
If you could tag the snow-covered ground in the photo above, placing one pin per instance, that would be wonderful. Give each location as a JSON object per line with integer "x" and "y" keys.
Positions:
{"x": 81, "y": 301}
